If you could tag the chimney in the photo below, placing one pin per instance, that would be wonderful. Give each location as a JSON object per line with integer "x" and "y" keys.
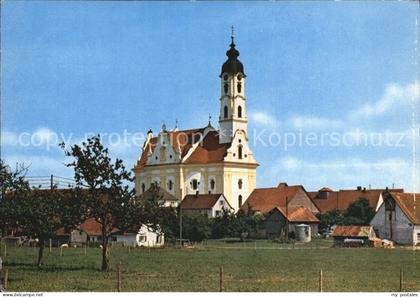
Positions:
{"x": 209, "y": 192}
{"x": 196, "y": 194}
{"x": 370, "y": 186}
{"x": 359, "y": 188}
{"x": 364, "y": 189}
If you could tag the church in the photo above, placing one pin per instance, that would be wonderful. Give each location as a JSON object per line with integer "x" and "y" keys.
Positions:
{"x": 205, "y": 160}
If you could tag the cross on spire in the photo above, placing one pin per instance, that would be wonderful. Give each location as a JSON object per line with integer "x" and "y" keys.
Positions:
{"x": 232, "y": 35}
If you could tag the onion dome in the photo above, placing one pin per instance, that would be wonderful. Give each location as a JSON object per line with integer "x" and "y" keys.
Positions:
{"x": 232, "y": 65}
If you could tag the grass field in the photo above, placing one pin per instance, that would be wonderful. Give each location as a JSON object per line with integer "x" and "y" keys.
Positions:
{"x": 250, "y": 266}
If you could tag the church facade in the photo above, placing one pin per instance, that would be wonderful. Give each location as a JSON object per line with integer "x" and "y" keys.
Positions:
{"x": 205, "y": 160}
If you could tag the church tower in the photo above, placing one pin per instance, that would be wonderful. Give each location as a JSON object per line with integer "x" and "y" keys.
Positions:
{"x": 233, "y": 115}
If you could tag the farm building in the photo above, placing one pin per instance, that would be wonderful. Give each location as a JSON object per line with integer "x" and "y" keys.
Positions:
{"x": 398, "y": 218}
{"x": 164, "y": 197}
{"x": 264, "y": 200}
{"x": 327, "y": 199}
{"x": 210, "y": 204}
{"x": 144, "y": 236}
{"x": 353, "y": 235}
{"x": 279, "y": 218}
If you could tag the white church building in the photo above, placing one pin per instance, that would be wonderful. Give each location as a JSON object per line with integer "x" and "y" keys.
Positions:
{"x": 205, "y": 160}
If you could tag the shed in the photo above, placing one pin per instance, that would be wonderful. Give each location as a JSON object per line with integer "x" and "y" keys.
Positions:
{"x": 352, "y": 236}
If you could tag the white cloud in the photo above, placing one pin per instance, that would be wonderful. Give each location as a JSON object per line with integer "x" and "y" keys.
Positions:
{"x": 264, "y": 119}
{"x": 312, "y": 122}
{"x": 345, "y": 173}
{"x": 394, "y": 98}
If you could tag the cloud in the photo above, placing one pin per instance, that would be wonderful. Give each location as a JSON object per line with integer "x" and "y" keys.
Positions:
{"x": 395, "y": 97}
{"x": 312, "y": 122}
{"x": 264, "y": 119}
{"x": 345, "y": 173}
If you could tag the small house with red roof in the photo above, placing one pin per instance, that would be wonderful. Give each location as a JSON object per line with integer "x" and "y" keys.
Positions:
{"x": 211, "y": 205}
{"x": 398, "y": 218}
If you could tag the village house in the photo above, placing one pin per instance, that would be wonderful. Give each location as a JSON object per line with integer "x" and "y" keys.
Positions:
{"x": 211, "y": 205}
{"x": 328, "y": 200}
{"x": 144, "y": 236}
{"x": 263, "y": 200}
{"x": 279, "y": 218}
{"x": 398, "y": 218}
{"x": 353, "y": 236}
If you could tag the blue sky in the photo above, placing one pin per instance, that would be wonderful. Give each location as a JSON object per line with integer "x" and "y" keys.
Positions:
{"x": 70, "y": 68}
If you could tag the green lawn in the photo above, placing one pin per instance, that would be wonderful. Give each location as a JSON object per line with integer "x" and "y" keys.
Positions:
{"x": 251, "y": 266}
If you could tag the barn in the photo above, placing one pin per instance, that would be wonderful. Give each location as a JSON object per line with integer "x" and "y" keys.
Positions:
{"x": 353, "y": 236}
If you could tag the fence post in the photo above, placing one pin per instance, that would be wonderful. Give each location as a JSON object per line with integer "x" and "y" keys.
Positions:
{"x": 61, "y": 251}
{"x": 321, "y": 289}
{"x": 401, "y": 279}
{"x": 50, "y": 250}
{"x": 119, "y": 277}
{"x": 5, "y": 251}
{"x": 5, "y": 278}
{"x": 221, "y": 279}
{"x": 85, "y": 250}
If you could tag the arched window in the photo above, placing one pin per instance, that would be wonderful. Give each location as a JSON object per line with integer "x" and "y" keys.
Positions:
{"x": 239, "y": 112}
{"x": 194, "y": 184}
{"x": 226, "y": 88}
{"x": 240, "y": 201}
{"x": 212, "y": 184}
{"x": 239, "y": 87}
{"x": 240, "y": 151}
{"x": 143, "y": 187}
{"x": 225, "y": 112}
{"x": 240, "y": 183}
{"x": 170, "y": 185}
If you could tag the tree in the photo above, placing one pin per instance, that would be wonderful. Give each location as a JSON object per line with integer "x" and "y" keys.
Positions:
{"x": 13, "y": 184}
{"x": 196, "y": 227}
{"x": 245, "y": 224}
{"x": 359, "y": 213}
{"x": 108, "y": 197}
{"x": 330, "y": 218}
{"x": 223, "y": 225}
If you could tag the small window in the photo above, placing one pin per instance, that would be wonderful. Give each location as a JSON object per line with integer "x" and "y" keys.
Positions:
{"x": 143, "y": 187}
{"x": 240, "y": 184}
{"x": 240, "y": 152}
{"x": 225, "y": 112}
{"x": 142, "y": 238}
{"x": 218, "y": 213}
{"x": 239, "y": 87}
{"x": 240, "y": 201}
{"x": 159, "y": 239}
{"x": 225, "y": 77}
{"x": 239, "y": 112}
{"x": 221, "y": 202}
{"x": 239, "y": 77}
{"x": 212, "y": 184}
{"x": 194, "y": 184}
{"x": 170, "y": 185}
{"x": 226, "y": 88}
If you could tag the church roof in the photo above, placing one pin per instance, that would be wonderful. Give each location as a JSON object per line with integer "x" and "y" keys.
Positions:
{"x": 232, "y": 65}
{"x": 209, "y": 151}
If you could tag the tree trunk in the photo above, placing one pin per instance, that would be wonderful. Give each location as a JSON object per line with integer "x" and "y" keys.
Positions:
{"x": 40, "y": 252}
{"x": 105, "y": 254}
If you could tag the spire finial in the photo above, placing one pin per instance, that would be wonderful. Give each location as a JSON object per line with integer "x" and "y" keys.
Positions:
{"x": 176, "y": 125}
{"x": 163, "y": 127}
{"x": 209, "y": 119}
{"x": 232, "y": 35}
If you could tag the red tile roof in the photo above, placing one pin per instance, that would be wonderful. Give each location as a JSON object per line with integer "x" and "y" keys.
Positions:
{"x": 200, "y": 201}
{"x": 297, "y": 214}
{"x": 91, "y": 227}
{"x": 409, "y": 204}
{"x": 265, "y": 199}
{"x": 352, "y": 231}
{"x": 210, "y": 151}
{"x": 343, "y": 198}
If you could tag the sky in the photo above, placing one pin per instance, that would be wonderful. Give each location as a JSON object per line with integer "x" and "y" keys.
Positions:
{"x": 332, "y": 87}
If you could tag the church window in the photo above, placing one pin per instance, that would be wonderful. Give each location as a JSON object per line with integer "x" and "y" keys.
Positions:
{"x": 225, "y": 77}
{"x": 239, "y": 112}
{"x": 194, "y": 184}
{"x": 239, "y": 77}
{"x": 225, "y": 112}
{"x": 240, "y": 201}
{"x": 143, "y": 187}
{"x": 240, "y": 183}
{"x": 239, "y": 87}
{"x": 156, "y": 157}
{"x": 240, "y": 152}
{"x": 212, "y": 184}
{"x": 170, "y": 185}
{"x": 226, "y": 88}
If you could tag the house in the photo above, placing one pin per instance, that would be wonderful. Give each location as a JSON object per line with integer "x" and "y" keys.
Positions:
{"x": 398, "y": 218}
{"x": 353, "y": 235}
{"x": 210, "y": 204}
{"x": 90, "y": 231}
{"x": 165, "y": 198}
{"x": 263, "y": 200}
{"x": 327, "y": 199}
{"x": 144, "y": 236}
{"x": 279, "y": 218}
